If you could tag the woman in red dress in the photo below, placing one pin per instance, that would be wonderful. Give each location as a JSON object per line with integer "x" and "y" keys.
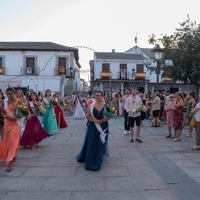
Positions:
{"x": 59, "y": 112}
{"x": 34, "y": 132}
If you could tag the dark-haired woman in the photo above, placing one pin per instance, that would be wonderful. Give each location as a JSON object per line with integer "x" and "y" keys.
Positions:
{"x": 95, "y": 147}
{"x": 10, "y": 143}
{"x": 49, "y": 119}
{"x": 61, "y": 122}
{"x": 33, "y": 133}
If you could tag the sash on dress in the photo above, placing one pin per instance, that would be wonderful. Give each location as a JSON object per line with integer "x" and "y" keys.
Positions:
{"x": 46, "y": 101}
{"x": 32, "y": 108}
{"x": 99, "y": 128}
{"x": 10, "y": 113}
{"x": 81, "y": 104}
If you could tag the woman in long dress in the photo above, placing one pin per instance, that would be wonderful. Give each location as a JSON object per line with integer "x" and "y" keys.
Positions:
{"x": 49, "y": 119}
{"x": 95, "y": 147}
{"x": 10, "y": 143}
{"x": 61, "y": 122}
{"x": 22, "y": 98}
{"x": 178, "y": 116}
{"x": 79, "y": 107}
{"x": 34, "y": 132}
{"x": 1, "y": 114}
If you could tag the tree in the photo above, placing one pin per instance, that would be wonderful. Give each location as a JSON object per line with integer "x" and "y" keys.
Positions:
{"x": 183, "y": 48}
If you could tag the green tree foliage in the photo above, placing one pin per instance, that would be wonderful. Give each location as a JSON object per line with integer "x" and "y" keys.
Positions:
{"x": 183, "y": 48}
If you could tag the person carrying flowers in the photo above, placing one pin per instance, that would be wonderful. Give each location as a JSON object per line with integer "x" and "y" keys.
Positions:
{"x": 10, "y": 144}
{"x": 134, "y": 106}
{"x": 34, "y": 132}
{"x": 96, "y": 140}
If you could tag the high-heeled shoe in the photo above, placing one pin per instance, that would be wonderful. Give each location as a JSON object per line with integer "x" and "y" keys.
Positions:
{"x": 10, "y": 165}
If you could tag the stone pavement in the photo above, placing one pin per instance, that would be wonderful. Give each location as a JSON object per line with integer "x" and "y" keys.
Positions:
{"x": 158, "y": 169}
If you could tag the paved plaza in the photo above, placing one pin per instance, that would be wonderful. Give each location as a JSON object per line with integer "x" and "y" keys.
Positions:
{"x": 158, "y": 169}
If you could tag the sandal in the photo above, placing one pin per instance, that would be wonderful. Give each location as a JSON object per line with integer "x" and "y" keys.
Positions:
{"x": 196, "y": 148}
{"x": 10, "y": 165}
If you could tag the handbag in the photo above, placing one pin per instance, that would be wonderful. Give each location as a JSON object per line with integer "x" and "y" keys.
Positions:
{"x": 192, "y": 123}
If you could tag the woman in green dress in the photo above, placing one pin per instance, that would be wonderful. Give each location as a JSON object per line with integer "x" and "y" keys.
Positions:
{"x": 49, "y": 119}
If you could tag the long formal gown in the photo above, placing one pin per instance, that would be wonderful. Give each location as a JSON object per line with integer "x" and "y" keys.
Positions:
{"x": 11, "y": 138}
{"x": 93, "y": 149}
{"x": 34, "y": 132}
{"x": 79, "y": 111}
{"x": 61, "y": 122}
{"x": 49, "y": 119}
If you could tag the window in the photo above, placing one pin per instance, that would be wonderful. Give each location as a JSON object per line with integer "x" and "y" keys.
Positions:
{"x": 123, "y": 71}
{"x": 106, "y": 67}
{"x": 1, "y": 62}
{"x": 140, "y": 68}
{"x": 1, "y": 65}
{"x": 30, "y": 65}
{"x": 62, "y": 65}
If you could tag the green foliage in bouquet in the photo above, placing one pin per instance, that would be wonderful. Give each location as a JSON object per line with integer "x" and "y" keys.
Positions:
{"x": 109, "y": 112}
{"x": 141, "y": 108}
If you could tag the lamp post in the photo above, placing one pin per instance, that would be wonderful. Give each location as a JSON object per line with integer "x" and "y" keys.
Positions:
{"x": 158, "y": 57}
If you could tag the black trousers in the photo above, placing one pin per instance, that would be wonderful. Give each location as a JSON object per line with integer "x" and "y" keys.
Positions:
{"x": 126, "y": 122}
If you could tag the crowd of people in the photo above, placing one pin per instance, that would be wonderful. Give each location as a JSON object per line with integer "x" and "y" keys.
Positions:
{"x": 176, "y": 110}
{"x": 26, "y": 120}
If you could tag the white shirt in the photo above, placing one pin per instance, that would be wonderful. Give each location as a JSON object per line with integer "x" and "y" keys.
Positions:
{"x": 197, "y": 114}
{"x": 131, "y": 104}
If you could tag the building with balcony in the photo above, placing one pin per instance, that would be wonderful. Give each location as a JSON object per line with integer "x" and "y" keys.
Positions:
{"x": 40, "y": 66}
{"x": 119, "y": 70}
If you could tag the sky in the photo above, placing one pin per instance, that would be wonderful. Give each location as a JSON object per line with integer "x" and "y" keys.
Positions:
{"x": 101, "y": 25}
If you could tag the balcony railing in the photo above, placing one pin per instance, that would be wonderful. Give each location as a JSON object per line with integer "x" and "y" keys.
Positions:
{"x": 140, "y": 75}
{"x": 28, "y": 71}
{"x": 2, "y": 71}
{"x": 106, "y": 75}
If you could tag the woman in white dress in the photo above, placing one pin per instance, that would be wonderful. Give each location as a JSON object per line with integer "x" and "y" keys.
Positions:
{"x": 79, "y": 107}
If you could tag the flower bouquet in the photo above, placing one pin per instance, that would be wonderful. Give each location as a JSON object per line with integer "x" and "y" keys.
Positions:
{"x": 62, "y": 102}
{"x": 109, "y": 112}
{"x": 22, "y": 109}
{"x": 40, "y": 110}
{"x": 140, "y": 108}
{"x": 54, "y": 102}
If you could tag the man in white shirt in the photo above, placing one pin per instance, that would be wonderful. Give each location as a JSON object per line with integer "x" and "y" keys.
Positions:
{"x": 131, "y": 104}
{"x": 125, "y": 113}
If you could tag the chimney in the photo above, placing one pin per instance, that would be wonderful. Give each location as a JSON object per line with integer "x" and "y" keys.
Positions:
{"x": 113, "y": 50}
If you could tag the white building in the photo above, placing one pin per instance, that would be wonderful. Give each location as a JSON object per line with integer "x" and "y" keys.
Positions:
{"x": 117, "y": 71}
{"x": 39, "y": 66}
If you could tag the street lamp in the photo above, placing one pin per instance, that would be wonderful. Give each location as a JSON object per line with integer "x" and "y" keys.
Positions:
{"x": 71, "y": 72}
{"x": 158, "y": 57}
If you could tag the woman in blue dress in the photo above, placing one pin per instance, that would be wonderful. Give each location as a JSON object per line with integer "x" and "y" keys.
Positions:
{"x": 49, "y": 119}
{"x": 95, "y": 143}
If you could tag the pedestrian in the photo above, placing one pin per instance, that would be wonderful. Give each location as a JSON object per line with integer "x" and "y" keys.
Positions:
{"x": 131, "y": 105}
{"x": 156, "y": 103}
{"x": 49, "y": 119}
{"x": 34, "y": 132}
{"x": 196, "y": 113}
{"x": 10, "y": 143}
{"x": 79, "y": 107}
{"x": 178, "y": 116}
{"x": 61, "y": 121}
{"x": 95, "y": 147}
{"x": 125, "y": 113}
{"x": 190, "y": 106}
{"x": 169, "y": 114}
{"x": 1, "y": 114}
